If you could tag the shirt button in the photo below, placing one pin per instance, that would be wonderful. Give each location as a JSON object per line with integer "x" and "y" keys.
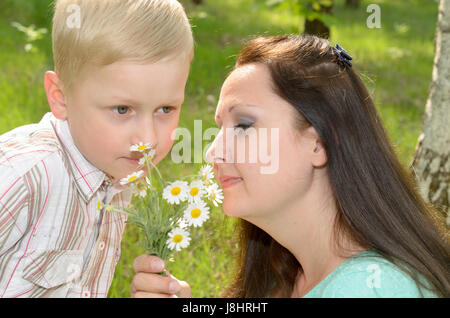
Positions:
{"x": 101, "y": 246}
{"x": 86, "y": 294}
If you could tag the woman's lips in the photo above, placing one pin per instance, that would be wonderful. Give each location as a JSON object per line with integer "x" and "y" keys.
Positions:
{"x": 229, "y": 182}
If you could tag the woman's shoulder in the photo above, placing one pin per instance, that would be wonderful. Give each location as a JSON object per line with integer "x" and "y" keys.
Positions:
{"x": 368, "y": 274}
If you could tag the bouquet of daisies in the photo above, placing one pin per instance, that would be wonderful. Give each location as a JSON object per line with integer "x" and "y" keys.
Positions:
{"x": 164, "y": 211}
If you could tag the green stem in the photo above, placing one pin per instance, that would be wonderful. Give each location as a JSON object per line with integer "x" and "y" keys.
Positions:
{"x": 190, "y": 176}
{"x": 157, "y": 170}
{"x": 125, "y": 211}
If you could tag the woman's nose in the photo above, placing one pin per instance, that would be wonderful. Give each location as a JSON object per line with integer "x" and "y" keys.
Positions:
{"x": 216, "y": 152}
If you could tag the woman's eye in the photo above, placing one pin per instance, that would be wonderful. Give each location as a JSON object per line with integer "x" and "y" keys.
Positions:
{"x": 166, "y": 109}
{"x": 121, "y": 110}
{"x": 244, "y": 126}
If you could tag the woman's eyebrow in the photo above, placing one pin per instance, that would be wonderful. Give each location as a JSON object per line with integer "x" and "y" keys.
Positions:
{"x": 236, "y": 106}
{"x": 217, "y": 117}
{"x": 241, "y": 105}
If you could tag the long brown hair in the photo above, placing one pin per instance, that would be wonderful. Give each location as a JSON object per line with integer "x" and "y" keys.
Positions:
{"x": 379, "y": 206}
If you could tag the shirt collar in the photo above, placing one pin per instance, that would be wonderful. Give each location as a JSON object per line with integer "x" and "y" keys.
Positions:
{"x": 88, "y": 178}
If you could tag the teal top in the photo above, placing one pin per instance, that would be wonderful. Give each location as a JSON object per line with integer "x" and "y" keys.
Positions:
{"x": 368, "y": 275}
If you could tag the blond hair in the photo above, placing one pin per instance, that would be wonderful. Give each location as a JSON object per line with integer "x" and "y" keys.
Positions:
{"x": 143, "y": 31}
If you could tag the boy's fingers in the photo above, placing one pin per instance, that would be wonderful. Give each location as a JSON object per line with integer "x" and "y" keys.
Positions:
{"x": 148, "y": 264}
{"x": 154, "y": 283}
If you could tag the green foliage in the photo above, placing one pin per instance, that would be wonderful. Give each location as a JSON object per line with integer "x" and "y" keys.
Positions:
{"x": 151, "y": 215}
{"x": 309, "y": 9}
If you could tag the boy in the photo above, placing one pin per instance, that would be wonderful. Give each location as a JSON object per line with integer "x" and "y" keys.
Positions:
{"x": 120, "y": 75}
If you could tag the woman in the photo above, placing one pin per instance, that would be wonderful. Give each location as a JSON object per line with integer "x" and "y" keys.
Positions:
{"x": 340, "y": 217}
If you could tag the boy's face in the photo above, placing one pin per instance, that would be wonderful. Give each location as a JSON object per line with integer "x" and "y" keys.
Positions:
{"x": 122, "y": 104}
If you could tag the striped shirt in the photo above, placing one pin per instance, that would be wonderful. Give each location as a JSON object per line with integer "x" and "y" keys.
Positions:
{"x": 54, "y": 242}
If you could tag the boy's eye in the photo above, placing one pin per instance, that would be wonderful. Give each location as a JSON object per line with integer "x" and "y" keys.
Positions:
{"x": 166, "y": 109}
{"x": 121, "y": 110}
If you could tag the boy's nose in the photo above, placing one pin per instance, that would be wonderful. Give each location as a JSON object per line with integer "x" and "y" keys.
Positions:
{"x": 145, "y": 132}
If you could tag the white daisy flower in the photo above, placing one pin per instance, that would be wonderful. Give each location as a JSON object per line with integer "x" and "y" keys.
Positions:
{"x": 196, "y": 213}
{"x": 182, "y": 223}
{"x": 214, "y": 194}
{"x": 195, "y": 191}
{"x": 206, "y": 173}
{"x": 178, "y": 239}
{"x": 132, "y": 177}
{"x": 141, "y": 147}
{"x": 176, "y": 192}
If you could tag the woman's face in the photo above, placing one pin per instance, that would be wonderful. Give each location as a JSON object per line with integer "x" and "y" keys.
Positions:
{"x": 254, "y": 122}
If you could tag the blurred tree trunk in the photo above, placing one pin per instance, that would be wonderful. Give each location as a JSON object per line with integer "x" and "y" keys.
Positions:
{"x": 431, "y": 162}
{"x": 318, "y": 27}
{"x": 197, "y": 1}
{"x": 353, "y": 3}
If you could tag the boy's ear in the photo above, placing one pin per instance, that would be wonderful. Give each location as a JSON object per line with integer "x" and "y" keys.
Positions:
{"x": 55, "y": 95}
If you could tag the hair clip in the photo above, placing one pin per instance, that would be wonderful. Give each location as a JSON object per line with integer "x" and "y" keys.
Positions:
{"x": 342, "y": 55}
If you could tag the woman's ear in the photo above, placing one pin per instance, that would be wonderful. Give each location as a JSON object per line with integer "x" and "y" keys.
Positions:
{"x": 316, "y": 149}
{"x": 55, "y": 95}
{"x": 319, "y": 155}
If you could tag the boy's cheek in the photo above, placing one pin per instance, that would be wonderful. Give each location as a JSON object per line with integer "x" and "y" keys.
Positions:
{"x": 165, "y": 142}
{"x": 163, "y": 150}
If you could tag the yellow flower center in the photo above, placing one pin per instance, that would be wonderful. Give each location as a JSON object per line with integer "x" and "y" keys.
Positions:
{"x": 194, "y": 191}
{"x": 177, "y": 238}
{"x": 195, "y": 213}
{"x": 140, "y": 148}
{"x": 99, "y": 205}
{"x": 176, "y": 191}
{"x": 131, "y": 179}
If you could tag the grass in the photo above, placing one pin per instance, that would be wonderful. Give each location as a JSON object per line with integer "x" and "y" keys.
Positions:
{"x": 395, "y": 62}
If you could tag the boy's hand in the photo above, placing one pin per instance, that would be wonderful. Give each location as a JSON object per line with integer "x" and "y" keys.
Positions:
{"x": 147, "y": 283}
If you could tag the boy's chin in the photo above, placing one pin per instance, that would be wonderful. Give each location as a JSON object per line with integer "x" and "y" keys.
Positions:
{"x": 115, "y": 177}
